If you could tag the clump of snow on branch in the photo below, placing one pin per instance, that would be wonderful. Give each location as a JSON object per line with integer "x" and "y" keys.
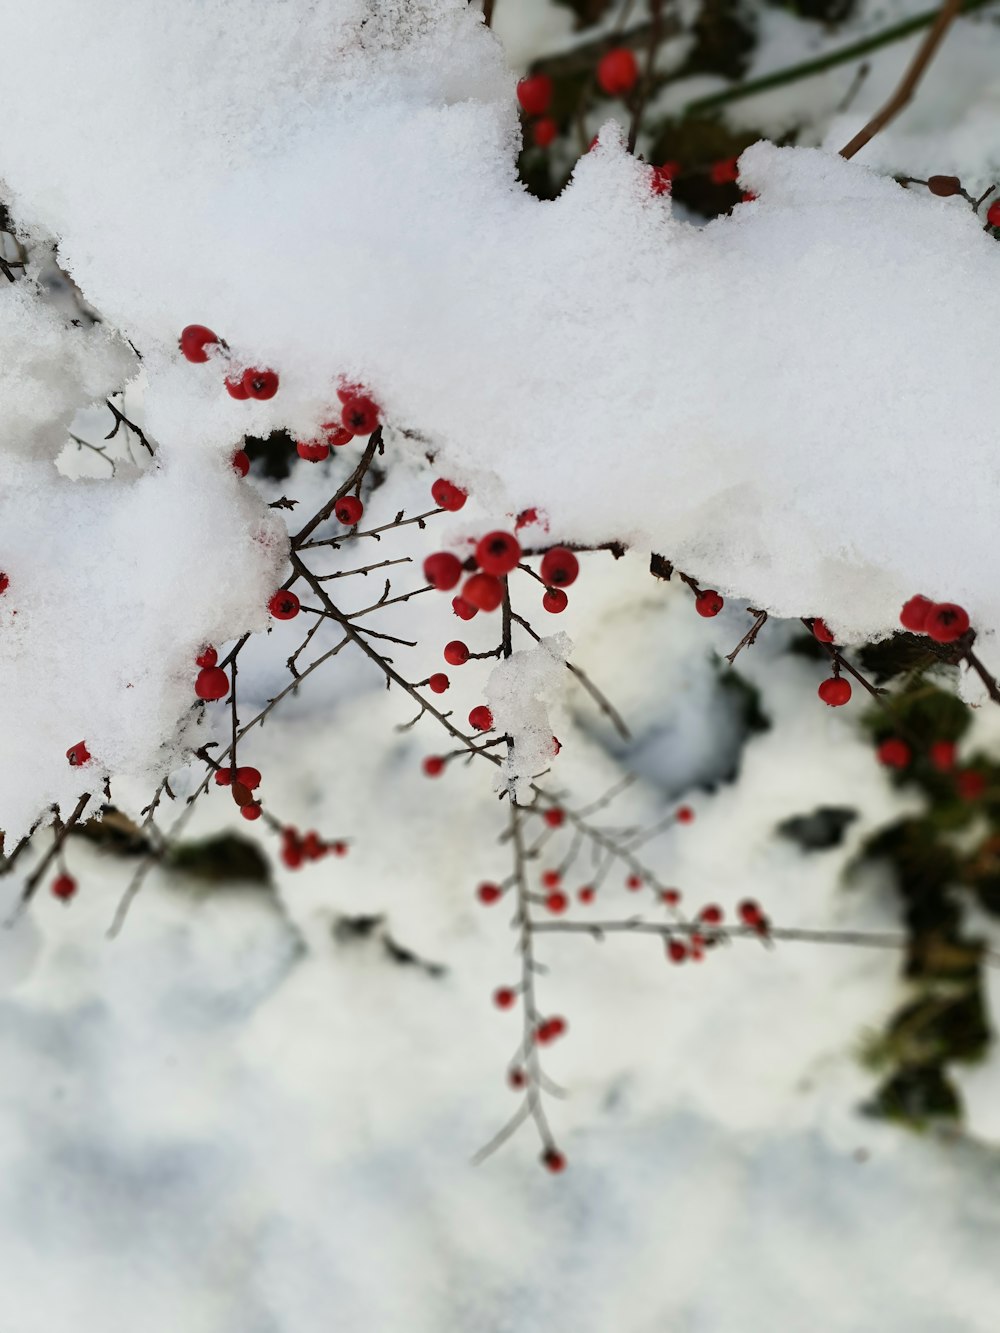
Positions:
{"x": 519, "y": 692}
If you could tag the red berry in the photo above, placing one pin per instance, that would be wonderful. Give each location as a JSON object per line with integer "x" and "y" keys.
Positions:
{"x": 78, "y": 754}
{"x": 63, "y": 887}
{"x": 555, "y": 601}
{"x": 312, "y": 846}
{"x": 313, "y": 451}
{"x": 662, "y": 177}
{"x": 248, "y": 777}
{"x": 433, "y": 766}
{"x": 481, "y": 719}
{"x": 708, "y": 603}
{"x": 946, "y": 622}
{"x": 438, "y": 683}
{"x": 836, "y": 691}
{"x": 993, "y": 214}
{"x": 260, "y": 383}
{"x": 551, "y": 879}
{"x": 291, "y": 855}
{"x": 970, "y": 784}
{"x": 4, "y": 583}
{"x": 617, "y": 71}
{"x": 726, "y": 172}
{"x": 348, "y": 510}
{"x": 194, "y": 340}
{"x": 463, "y": 609}
{"x": 559, "y": 567}
{"x": 553, "y": 1160}
{"x": 348, "y": 391}
{"x": 634, "y": 882}
{"x": 549, "y": 1029}
{"x": 498, "y": 553}
{"x": 676, "y": 951}
{"x": 671, "y": 897}
{"x": 338, "y": 848}
{"x": 443, "y": 570}
{"x": 251, "y": 810}
{"x": 711, "y": 914}
{"x": 483, "y": 591}
{"x": 750, "y": 913}
{"x": 336, "y": 434}
{"x": 684, "y": 815}
{"x": 545, "y": 132}
{"x": 534, "y": 92}
{"x": 821, "y": 631}
{"x": 914, "y": 614}
{"x": 360, "y": 414}
{"x": 241, "y": 462}
{"x": 554, "y": 817}
{"x": 448, "y": 496}
{"x": 236, "y": 389}
{"x": 207, "y": 657}
{"x": 942, "y": 755}
{"x": 489, "y": 893}
{"x": 211, "y": 683}
{"x": 517, "y": 1078}
{"x": 894, "y": 753}
{"x": 557, "y": 902}
{"x": 284, "y": 605}
{"x": 456, "y": 653}
{"x": 586, "y": 894}
{"x": 223, "y": 777}
{"x": 504, "y": 997}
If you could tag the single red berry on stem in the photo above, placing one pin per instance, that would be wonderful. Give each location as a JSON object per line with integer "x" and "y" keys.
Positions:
{"x": 448, "y": 496}
{"x": 586, "y": 894}
{"x": 78, "y": 754}
{"x": 206, "y": 658}
{"x": 63, "y": 887}
{"x": 557, "y": 902}
{"x": 261, "y": 384}
{"x": 662, "y": 177}
{"x": 726, "y": 172}
{"x": 554, "y": 817}
{"x": 559, "y": 567}
{"x": 313, "y": 451}
{"x": 946, "y": 622}
{"x": 481, "y": 719}
{"x": 4, "y": 583}
{"x": 251, "y": 810}
{"x": 534, "y": 92}
{"x": 555, "y": 601}
{"x": 360, "y": 414}
{"x": 241, "y": 462}
{"x": 489, "y": 894}
{"x": 223, "y": 777}
{"x": 711, "y": 914}
{"x": 348, "y": 510}
{"x": 671, "y": 897}
{"x": 835, "y": 692}
{"x": 433, "y": 766}
{"x": 504, "y": 997}
{"x": 553, "y": 1160}
{"x": 676, "y": 951}
{"x": 708, "y": 603}
{"x": 195, "y": 340}
{"x": 248, "y": 777}
{"x": 993, "y": 214}
{"x": 749, "y": 912}
{"x": 211, "y": 683}
{"x": 970, "y": 784}
{"x": 483, "y": 591}
{"x": 443, "y": 570}
{"x": 551, "y": 879}
{"x": 284, "y": 605}
{"x": 942, "y": 756}
{"x": 336, "y": 434}
{"x": 618, "y": 71}
{"x": 894, "y": 753}
{"x": 236, "y": 389}
{"x": 821, "y": 631}
{"x": 498, "y": 553}
{"x": 456, "y": 653}
{"x": 517, "y": 1079}
{"x": 914, "y": 614}
{"x": 545, "y": 132}
{"x": 463, "y": 609}
{"x": 438, "y": 683}
{"x": 684, "y": 815}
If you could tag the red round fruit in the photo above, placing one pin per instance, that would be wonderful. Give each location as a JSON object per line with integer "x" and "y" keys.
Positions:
{"x": 517, "y": 1078}
{"x": 942, "y": 756}
{"x": 726, "y": 172}
{"x": 312, "y": 846}
{"x": 534, "y": 92}
{"x": 545, "y": 132}
{"x": 946, "y": 622}
{"x": 821, "y": 631}
{"x": 251, "y": 810}
{"x": 553, "y": 1160}
{"x": 483, "y": 591}
{"x": 284, "y": 605}
{"x": 360, "y": 414}
{"x": 551, "y": 878}
{"x": 348, "y": 391}
{"x": 557, "y": 902}
{"x": 447, "y": 495}
{"x": 291, "y": 855}
{"x": 456, "y": 653}
{"x": 559, "y": 567}
{"x": 504, "y": 997}
{"x": 708, "y": 603}
{"x": 223, "y": 777}
{"x": 711, "y": 915}
{"x": 463, "y": 609}
{"x": 438, "y": 683}
{"x": 64, "y": 886}
{"x": 894, "y": 753}
{"x": 481, "y": 719}
{"x": 4, "y": 583}
{"x": 750, "y": 913}
{"x": 336, "y": 434}
{"x": 671, "y": 897}
{"x": 248, "y": 777}
{"x": 914, "y": 614}
{"x": 684, "y": 815}
{"x": 555, "y": 601}
{"x": 338, "y": 848}
{"x": 433, "y": 766}
{"x": 993, "y": 214}
{"x": 194, "y": 341}
{"x": 676, "y": 951}
{"x": 489, "y": 893}
{"x": 260, "y": 384}
{"x": 348, "y": 510}
{"x": 241, "y": 462}
{"x": 554, "y": 817}
{"x": 211, "y": 683}
{"x": 835, "y": 692}
{"x": 970, "y": 784}
{"x": 313, "y": 451}
{"x": 78, "y": 754}
{"x": 498, "y": 553}
{"x": 586, "y": 894}
{"x": 207, "y": 657}
{"x": 662, "y": 177}
{"x": 634, "y": 882}
{"x": 236, "y": 389}
{"x": 618, "y": 71}
{"x": 442, "y": 570}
